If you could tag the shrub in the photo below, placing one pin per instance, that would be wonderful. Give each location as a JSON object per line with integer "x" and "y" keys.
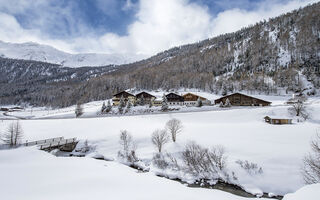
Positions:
{"x": 250, "y": 167}
{"x": 204, "y": 162}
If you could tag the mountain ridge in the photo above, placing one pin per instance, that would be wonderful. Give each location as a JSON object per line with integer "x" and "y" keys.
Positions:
{"x": 267, "y": 57}
{"x": 45, "y": 53}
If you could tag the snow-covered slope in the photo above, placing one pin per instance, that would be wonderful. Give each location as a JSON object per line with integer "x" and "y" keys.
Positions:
{"x": 45, "y": 53}
{"x": 32, "y": 174}
{"x": 279, "y": 150}
{"x": 310, "y": 192}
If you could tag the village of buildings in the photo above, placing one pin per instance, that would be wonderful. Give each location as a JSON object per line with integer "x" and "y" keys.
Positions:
{"x": 191, "y": 99}
{"x": 186, "y": 99}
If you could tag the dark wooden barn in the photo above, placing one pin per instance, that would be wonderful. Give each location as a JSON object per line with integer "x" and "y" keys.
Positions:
{"x": 238, "y": 99}
{"x": 146, "y": 96}
{"x": 174, "y": 99}
{"x": 126, "y": 96}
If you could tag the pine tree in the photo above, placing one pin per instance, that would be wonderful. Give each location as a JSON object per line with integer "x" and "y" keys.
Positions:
{"x": 164, "y": 106}
{"x": 121, "y": 105}
{"x": 109, "y": 107}
{"x": 221, "y": 104}
{"x": 103, "y": 108}
{"x": 128, "y": 106}
{"x": 79, "y": 110}
{"x": 227, "y": 103}
{"x": 142, "y": 100}
{"x": 224, "y": 90}
{"x": 199, "y": 102}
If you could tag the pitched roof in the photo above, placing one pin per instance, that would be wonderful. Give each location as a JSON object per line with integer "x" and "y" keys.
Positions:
{"x": 242, "y": 95}
{"x": 143, "y": 93}
{"x": 277, "y": 117}
{"x": 124, "y": 93}
{"x": 189, "y": 93}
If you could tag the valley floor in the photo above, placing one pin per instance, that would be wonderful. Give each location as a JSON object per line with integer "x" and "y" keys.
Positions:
{"x": 278, "y": 149}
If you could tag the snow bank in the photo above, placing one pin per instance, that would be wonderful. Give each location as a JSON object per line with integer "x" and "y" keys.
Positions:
{"x": 27, "y": 173}
{"x": 309, "y": 192}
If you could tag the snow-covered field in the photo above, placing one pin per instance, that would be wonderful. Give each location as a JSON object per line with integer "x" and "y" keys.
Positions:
{"x": 39, "y": 175}
{"x": 92, "y": 109}
{"x": 277, "y": 149}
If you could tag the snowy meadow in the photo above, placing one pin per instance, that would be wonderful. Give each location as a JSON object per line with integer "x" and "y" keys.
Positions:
{"x": 277, "y": 149}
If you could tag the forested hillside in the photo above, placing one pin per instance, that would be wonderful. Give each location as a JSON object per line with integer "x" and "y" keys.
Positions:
{"x": 41, "y": 83}
{"x": 263, "y": 57}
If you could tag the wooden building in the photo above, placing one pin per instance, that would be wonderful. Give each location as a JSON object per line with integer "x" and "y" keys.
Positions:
{"x": 277, "y": 120}
{"x": 146, "y": 97}
{"x": 126, "y": 96}
{"x": 174, "y": 99}
{"x": 191, "y": 99}
{"x": 238, "y": 99}
{"x": 157, "y": 102}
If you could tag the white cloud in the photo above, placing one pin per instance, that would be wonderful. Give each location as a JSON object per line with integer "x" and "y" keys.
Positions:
{"x": 159, "y": 25}
{"x": 235, "y": 19}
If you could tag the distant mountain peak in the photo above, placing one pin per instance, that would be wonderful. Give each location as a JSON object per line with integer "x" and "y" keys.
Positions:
{"x": 45, "y": 53}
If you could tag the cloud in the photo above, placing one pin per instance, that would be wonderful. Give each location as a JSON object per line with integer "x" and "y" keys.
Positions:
{"x": 158, "y": 25}
{"x": 234, "y": 19}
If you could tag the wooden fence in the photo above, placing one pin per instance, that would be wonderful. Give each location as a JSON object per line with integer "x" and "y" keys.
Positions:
{"x": 38, "y": 142}
{"x": 58, "y": 143}
{"x": 47, "y": 144}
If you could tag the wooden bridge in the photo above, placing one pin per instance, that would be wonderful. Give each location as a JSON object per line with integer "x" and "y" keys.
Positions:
{"x": 54, "y": 143}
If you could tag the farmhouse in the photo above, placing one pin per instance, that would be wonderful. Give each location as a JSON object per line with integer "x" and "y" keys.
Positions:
{"x": 277, "y": 120}
{"x": 238, "y": 99}
{"x": 174, "y": 99}
{"x": 157, "y": 102}
{"x": 191, "y": 99}
{"x": 145, "y": 98}
{"x": 125, "y": 95}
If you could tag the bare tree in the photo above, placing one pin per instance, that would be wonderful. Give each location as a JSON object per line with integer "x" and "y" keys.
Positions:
{"x": 311, "y": 163}
{"x": 299, "y": 109}
{"x": 79, "y": 110}
{"x": 125, "y": 140}
{"x": 128, "y": 147}
{"x": 13, "y": 135}
{"x": 204, "y": 162}
{"x": 159, "y": 138}
{"x": 174, "y": 126}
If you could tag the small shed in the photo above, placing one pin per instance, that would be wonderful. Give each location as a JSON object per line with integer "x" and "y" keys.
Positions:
{"x": 277, "y": 120}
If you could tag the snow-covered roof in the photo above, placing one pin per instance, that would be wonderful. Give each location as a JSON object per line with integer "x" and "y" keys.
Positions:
{"x": 277, "y": 117}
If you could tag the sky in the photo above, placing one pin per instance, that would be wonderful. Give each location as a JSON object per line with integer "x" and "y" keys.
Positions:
{"x": 130, "y": 26}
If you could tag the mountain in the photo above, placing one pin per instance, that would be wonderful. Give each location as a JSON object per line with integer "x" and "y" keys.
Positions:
{"x": 273, "y": 56}
{"x": 32, "y": 81}
{"x": 282, "y": 54}
{"x": 45, "y": 53}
